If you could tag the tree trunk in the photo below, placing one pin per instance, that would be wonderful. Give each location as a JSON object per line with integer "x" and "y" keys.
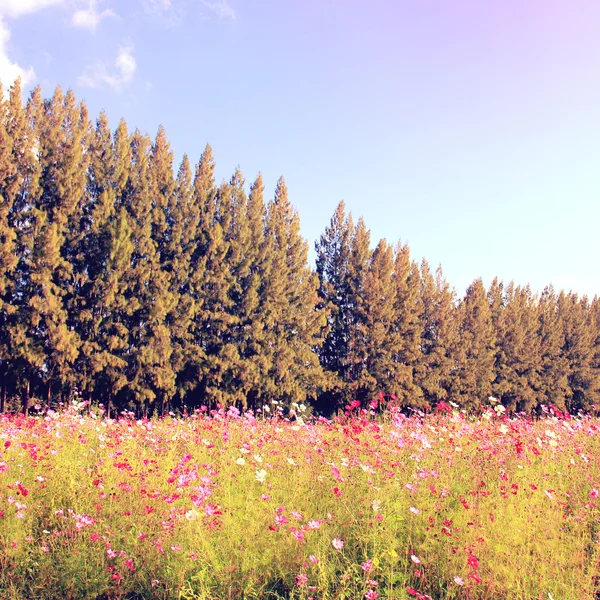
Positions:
{"x": 26, "y": 397}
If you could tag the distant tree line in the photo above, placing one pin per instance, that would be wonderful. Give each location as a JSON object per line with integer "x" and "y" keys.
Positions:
{"x": 127, "y": 284}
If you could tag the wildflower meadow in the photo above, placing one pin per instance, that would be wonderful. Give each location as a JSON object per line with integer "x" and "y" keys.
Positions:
{"x": 226, "y": 505}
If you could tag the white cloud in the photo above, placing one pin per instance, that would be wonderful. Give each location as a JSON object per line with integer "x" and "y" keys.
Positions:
{"x": 11, "y": 9}
{"x": 9, "y": 70}
{"x": 90, "y": 17}
{"x": 221, "y": 8}
{"x": 17, "y": 8}
{"x": 98, "y": 76}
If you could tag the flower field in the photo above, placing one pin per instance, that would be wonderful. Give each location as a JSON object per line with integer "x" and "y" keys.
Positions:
{"x": 230, "y": 506}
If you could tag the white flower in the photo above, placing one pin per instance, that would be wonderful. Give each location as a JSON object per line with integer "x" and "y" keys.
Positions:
{"x": 261, "y": 475}
{"x": 240, "y": 461}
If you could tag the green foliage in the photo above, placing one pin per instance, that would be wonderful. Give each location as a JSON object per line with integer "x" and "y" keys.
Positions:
{"x": 135, "y": 287}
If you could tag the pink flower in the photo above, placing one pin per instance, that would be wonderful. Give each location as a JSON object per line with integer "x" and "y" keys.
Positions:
{"x": 337, "y": 543}
{"x": 415, "y": 559}
{"x": 593, "y": 493}
{"x": 459, "y": 580}
{"x": 301, "y": 579}
{"x": 371, "y": 595}
{"x": 475, "y": 577}
{"x": 313, "y": 559}
{"x": 473, "y": 562}
{"x": 367, "y": 566}
{"x": 414, "y": 511}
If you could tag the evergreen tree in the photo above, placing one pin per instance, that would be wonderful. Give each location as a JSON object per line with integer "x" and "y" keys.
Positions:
{"x": 333, "y": 269}
{"x": 381, "y": 340}
{"x": 150, "y": 371}
{"x": 439, "y": 331}
{"x": 18, "y": 185}
{"x": 518, "y": 363}
{"x": 228, "y": 261}
{"x": 105, "y": 349}
{"x": 24, "y": 356}
{"x": 554, "y": 381}
{"x": 407, "y": 327}
{"x": 61, "y": 129}
{"x": 578, "y": 350}
{"x": 87, "y": 308}
{"x": 294, "y": 324}
{"x": 182, "y": 221}
{"x": 358, "y": 345}
{"x": 593, "y": 401}
{"x": 193, "y": 379}
{"x": 474, "y": 353}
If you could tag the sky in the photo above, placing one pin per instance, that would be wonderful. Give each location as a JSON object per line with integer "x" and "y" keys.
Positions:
{"x": 469, "y": 130}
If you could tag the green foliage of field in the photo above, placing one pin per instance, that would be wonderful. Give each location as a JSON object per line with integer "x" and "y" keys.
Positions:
{"x": 228, "y": 506}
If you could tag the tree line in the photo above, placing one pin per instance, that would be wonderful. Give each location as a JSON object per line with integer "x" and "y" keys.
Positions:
{"x": 130, "y": 284}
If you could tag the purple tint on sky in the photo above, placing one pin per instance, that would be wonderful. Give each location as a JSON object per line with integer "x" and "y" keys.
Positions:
{"x": 469, "y": 129}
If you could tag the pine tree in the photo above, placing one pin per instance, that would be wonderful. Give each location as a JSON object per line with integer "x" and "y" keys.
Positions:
{"x": 16, "y": 165}
{"x": 91, "y": 251}
{"x": 578, "y": 350}
{"x": 379, "y": 368}
{"x": 254, "y": 362}
{"x": 182, "y": 221}
{"x": 193, "y": 378}
{"x": 294, "y": 324}
{"x": 110, "y": 358}
{"x": 228, "y": 262}
{"x": 61, "y": 128}
{"x": 518, "y": 363}
{"x": 554, "y": 380}
{"x": 407, "y": 327}
{"x": 474, "y": 354}
{"x": 333, "y": 264}
{"x": 439, "y": 330}
{"x": 24, "y": 355}
{"x": 215, "y": 317}
{"x": 358, "y": 345}
{"x": 150, "y": 371}
{"x": 109, "y": 248}
{"x": 593, "y": 399}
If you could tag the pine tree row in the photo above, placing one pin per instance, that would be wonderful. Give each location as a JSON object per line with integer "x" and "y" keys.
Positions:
{"x": 131, "y": 286}
{"x": 396, "y": 330}
{"x": 127, "y": 284}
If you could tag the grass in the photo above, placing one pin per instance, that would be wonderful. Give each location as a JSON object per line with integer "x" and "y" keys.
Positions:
{"x": 230, "y": 506}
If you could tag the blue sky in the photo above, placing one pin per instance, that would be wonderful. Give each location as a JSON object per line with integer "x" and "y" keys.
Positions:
{"x": 469, "y": 129}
